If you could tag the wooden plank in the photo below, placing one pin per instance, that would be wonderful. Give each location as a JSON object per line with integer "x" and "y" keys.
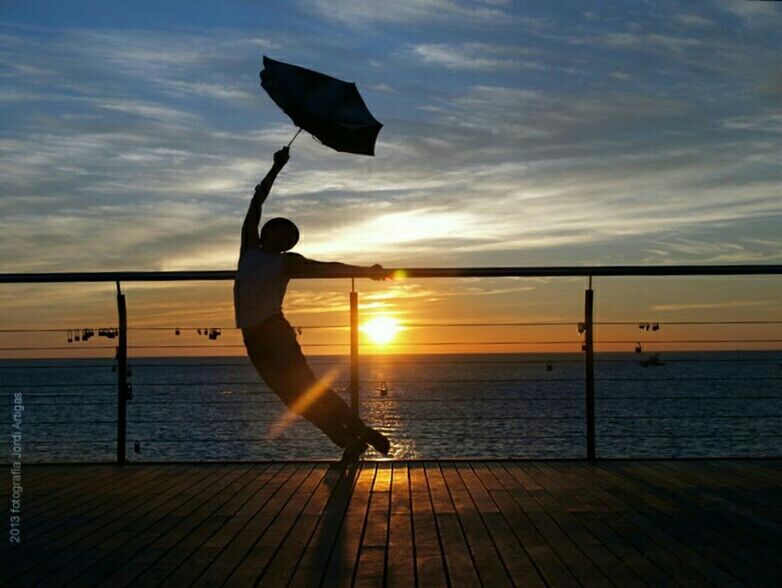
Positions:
{"x": 257, "y": 494}
{"x": 576, "y": 517}
{"x": 515, "y": 558}
{"x": 430, "y": 569}
{"x": 82, "y": 542}
{"x": 458, "y": 558}
{"x": 641, "y": 515}
{"x": 400, "y": 562}
{"x": 488, "y": 562}
{"x": 737, "y": 494}
{"x": 370, "y": 569}
{"x": 323, "y": 542}
{"x": 341, "y": 566}
{"x": 254, "y": 563}
{"x": 509, "y": 497}
{"x": 155, "y": 562}
{"x": 549, "y": 522}
{"x": 69, "y": 535}
{"x": 43, "y": 482}
{"x": 281, "y": 488}
{"x": 284, "y": 562}
{"x": 85, "y": 496}
{"x": 748, "y": 485}
{"x": 115, "y": 548}
{"x": 717, "y": 537}
{"x": 604, "y": 520}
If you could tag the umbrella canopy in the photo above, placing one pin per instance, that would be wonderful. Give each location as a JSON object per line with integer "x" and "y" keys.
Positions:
{"x": 329, "y": 109}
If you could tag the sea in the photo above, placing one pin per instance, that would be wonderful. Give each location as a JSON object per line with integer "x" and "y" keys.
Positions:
{"x": 689, "y": 404}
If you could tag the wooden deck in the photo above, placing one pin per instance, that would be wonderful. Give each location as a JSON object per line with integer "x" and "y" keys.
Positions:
{"x": 477, "y": 523}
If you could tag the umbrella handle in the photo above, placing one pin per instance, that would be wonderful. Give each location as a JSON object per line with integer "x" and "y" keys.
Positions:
{"x": 294, "y": 137}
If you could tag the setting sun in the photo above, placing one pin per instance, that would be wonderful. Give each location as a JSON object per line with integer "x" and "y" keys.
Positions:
{"x": 381, "y": 329}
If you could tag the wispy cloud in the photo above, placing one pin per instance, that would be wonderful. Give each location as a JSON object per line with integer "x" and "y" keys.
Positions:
{"x": 651, "y": 40}
{"x": 713, "y": 305}
{"x": 477, "y": 56}
{"x": 356, "y": 12}
{"x": 755, "y": 13}
{"x": 693, "y": 20}
{"x": 760, "y": 122}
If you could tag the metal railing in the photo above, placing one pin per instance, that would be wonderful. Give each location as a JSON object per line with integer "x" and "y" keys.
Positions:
{"x": 585, "y": 327}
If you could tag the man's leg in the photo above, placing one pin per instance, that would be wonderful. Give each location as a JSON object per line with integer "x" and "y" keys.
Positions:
{"x": 331, "y": 404}
{"x": 321, "y": 405}
{"x": 300, "y": 395}
{"x": 281, "y": 363}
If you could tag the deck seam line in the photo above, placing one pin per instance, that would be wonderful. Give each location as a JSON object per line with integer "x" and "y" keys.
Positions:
{"x": 252, "y": 517}
{"x": 205, "y": 518}
{"x": 87, "y": 570}
{"x": 363, "y": 527}
{"x": 354, "y": 482}
{"x": 507, "y": 522}
{"x": 461, "y": 523}
{"x": 271, "y": 522}
{"x": 542, "y": 535}
{"x": 293, "y": 524}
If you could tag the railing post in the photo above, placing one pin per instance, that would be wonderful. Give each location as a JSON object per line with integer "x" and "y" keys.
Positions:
{"x": 590, "y": 371}
{"x": 122, "y": 375}
{"x": 354, "y": 397}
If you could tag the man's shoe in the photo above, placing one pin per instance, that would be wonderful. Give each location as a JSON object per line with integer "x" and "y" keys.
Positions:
{"x": 377, "y": 440}
{"x": 353, "y": 450}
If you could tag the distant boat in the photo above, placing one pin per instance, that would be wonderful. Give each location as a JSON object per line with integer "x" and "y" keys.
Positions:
{"x": 383, "y": 388}
{"x": 652, "y": 361}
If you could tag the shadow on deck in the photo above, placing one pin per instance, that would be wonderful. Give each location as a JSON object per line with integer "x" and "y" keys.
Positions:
{"x": 490, "y": 523}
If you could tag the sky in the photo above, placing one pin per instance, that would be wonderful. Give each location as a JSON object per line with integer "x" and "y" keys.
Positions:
{"x": 515, "y": 134}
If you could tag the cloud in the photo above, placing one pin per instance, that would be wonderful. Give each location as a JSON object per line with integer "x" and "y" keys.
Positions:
{"x": 148, "y": 110}
{"x": 477, "y": 56}
{"x": 671, "y": 43}
{"x": 358, "y": 12}
{"x": 693, "y": 20}
{"x": 712, "y": 305}
{"x": 753, "y": 13}
{"x": 706, "y": 249}
{"x": 383, "y": 88}
{"x": 762, "y": 122}
{"x": 620, "y": 75}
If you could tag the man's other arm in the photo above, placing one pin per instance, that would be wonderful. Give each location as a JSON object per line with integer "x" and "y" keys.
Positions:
{"x": 252, "y": 220}
{"x": 295, "y": 266}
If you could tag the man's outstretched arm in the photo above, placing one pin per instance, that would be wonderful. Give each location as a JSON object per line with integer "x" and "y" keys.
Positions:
{"x": 250, "y": 236}
{"x": 296, "y": 265}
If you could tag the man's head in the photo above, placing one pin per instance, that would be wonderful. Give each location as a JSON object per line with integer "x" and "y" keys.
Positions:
{"x": 278, "y": 235}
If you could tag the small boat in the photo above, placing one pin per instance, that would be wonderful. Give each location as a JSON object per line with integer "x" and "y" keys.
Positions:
{"x": 383, "y": 388}
{"x": 549, "y": 367}
{"x": 652, "y": 361}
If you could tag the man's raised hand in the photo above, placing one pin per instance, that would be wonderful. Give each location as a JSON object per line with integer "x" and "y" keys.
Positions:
{"x": 281, "y": 157}
{"x": 379, "y": 274}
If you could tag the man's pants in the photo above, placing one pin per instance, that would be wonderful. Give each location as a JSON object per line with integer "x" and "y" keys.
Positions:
{"x": 276, "y": 355}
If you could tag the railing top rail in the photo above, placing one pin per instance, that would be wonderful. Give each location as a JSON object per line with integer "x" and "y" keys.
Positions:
{"x": 419, "y": 272}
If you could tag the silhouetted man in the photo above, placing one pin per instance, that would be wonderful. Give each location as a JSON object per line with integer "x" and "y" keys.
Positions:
{"x": 265, "y": 266}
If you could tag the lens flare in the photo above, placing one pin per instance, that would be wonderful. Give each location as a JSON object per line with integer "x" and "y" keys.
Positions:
{"x": 307, "y": 399}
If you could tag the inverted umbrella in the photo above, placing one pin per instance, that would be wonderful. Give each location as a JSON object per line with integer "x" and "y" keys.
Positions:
{"x": 329, "y": 109}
